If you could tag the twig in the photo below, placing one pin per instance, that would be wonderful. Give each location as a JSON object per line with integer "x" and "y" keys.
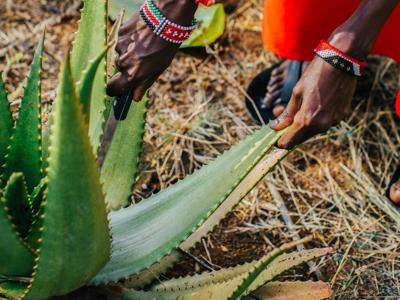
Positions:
{"x": 290, "y": 225}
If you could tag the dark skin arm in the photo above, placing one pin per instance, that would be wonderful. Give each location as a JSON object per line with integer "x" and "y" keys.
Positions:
{"x": 322, "y": 97}
{"x": 143, "y": 56}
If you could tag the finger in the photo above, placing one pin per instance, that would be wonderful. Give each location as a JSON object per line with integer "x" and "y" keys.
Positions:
{"x": 286, "y": 118}
{"x": 288, "y": 139}
{"x": 141, "y": 88}
{"x": 118, "y": 84}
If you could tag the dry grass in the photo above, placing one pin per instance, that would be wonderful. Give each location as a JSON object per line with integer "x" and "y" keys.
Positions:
{"x": 330, "y": 186}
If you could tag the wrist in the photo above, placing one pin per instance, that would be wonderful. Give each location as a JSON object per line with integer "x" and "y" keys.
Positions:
{"x": 179, "y": 11}
{"x": 351, "y": 42}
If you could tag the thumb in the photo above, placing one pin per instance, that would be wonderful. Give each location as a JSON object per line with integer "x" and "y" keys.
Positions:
{"x": 286, "y": 118}
{"x": 118, "y": 84}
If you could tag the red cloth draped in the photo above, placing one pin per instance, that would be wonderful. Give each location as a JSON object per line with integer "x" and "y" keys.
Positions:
{"x": 293, "y": 28}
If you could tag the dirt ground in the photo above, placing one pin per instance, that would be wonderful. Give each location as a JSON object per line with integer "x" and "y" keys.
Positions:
{"x": 332, "y": 186}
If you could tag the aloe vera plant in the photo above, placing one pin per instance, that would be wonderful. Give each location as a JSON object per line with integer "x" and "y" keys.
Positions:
{"x": 66, "y": 222}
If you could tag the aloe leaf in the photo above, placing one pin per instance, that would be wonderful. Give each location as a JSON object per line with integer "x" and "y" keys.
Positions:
{"x": 217, "y": 285}
{"x": 75, "y": 240}
{"x": 271, "y": 291}
{"x": 130, "y": 7}
{"x": 294, "y": 290}
{"x": 15, "y": 258}
{"x": 278, "y": 266}
{"x": 90, "y": 40}
{"x": 85, "y": 85}
{"x": 210, "y": 26}
{"x": 120, "y": 167}
{"x": 220, "y": 284}
{"x": 146, "y": 232}
{"x": 12, "y": 290}
{"x": 248, "y": 182}
{"x": 17, "y": 203}
{"x": 37, "y": 195}
{"x": 5, "y": 122}
{"x": 23, "y": 154}
{"x": 248, "y": 282}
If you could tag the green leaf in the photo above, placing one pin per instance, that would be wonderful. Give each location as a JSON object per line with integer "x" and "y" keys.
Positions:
{"x": 18, "y": 204}
{"x": 75, "y": 240}
{"x": 12, "y": 290}
{"x": 85, "y": 85}
{"x": 272, "y": 291}
{"x": 146, "y": 232}
{"x": 211, "y": 21}
{"x": 15, "y": 258}
{"x": 255, "y": 174}
{"x": 90, "y": 40}
{"x": 5, "y": 122}
{"x": 24, "y": 152}
{"x": 130, "y": 7}
{"x": 120, "y": 167}
{"x": 264, "y": 270}
{"x": 211, "y": 25}
{"x": 307, "y": 290}
{"x": 220, "y": 284}
{"x": 278, "y": 266}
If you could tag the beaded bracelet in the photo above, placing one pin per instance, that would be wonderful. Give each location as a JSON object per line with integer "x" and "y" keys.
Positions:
{"x": 205, "y": 2}
{"x": 339, "y": 60}
{"x": 163, "y": 27}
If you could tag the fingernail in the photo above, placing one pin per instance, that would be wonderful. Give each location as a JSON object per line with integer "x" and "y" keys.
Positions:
{"x": 274, "y": 122}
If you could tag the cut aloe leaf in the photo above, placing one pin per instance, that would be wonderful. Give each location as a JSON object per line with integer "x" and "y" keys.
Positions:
{"x": 90, "y": 40}
{"x": 120, "y": 167}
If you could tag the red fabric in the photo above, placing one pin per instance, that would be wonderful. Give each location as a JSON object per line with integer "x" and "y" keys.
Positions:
{"x": 293, "y": 28}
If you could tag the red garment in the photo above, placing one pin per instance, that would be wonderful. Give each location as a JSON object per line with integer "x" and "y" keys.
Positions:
{"x": 293, "y": 28}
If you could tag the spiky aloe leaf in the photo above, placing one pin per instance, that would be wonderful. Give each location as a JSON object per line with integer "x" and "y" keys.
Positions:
{"x": 278, "y": 266}
{"x": 145, "y": 233}
{"x": 118, "y": 172}
{"x": 248, "y": 282}
{"x": 12, "y": 290}
{"x": 15, "y": 258}
{"x": 5, "y": 122}
{"x": 23, "y": 154}
{"x": 220, "y": 284}
{"x": 85, "y": 85}
{"x": 75, "y": 239}
{"x": 17, "y": 204}
{"x": 37, "y": 195}
{"x": 90, "y": 40}
{"x": 247, "y": 183}
{"x": 296, "y": 290}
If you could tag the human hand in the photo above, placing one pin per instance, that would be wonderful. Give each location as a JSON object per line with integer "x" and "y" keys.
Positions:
{"x": 144, "y": 56}
{"x": 321, "y": 99}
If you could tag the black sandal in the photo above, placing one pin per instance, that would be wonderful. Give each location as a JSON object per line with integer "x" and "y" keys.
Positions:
{"x": 258, "y": 88}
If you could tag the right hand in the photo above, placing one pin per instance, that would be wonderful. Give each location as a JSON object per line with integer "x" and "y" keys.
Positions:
{"x": 143, "y": 56}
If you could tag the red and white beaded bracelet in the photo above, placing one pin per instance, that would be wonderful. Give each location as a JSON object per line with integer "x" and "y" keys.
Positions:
{"x": 339, "y": 60}
{"x": 205, "y": 2}
{"x": 164, "y": 28}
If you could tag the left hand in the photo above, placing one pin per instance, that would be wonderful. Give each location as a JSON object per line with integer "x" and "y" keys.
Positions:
{"x": 321, "y": 99}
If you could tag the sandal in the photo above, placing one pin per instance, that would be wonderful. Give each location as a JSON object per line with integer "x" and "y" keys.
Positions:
{"x": 258, "y": 88}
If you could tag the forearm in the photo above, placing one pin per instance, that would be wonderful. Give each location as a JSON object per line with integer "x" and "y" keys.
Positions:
{"x": 357, "y": 35}
{"x": 179, "y": 11}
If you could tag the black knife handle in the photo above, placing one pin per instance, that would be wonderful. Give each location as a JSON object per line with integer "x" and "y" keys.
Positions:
{"x": 121, "y": 105}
